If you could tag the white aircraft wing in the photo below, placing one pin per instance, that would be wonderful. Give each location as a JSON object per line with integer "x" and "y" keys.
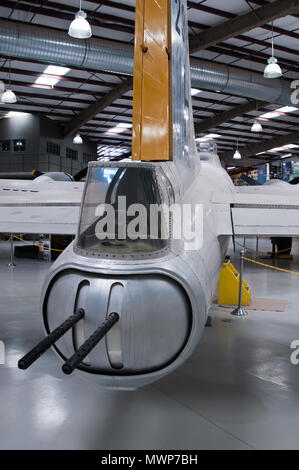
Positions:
{"x": 40, "y": 207}
{"x": 267, "y": 210}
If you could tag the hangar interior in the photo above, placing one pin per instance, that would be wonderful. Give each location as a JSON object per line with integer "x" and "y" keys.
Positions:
{"x": 72, "y": 105}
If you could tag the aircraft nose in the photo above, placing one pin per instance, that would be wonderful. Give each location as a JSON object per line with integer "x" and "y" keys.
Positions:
{"x": 154, "y": 320}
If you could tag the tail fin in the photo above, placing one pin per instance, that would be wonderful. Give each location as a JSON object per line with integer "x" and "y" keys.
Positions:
{"x": 184, "y": 147}
{"x": 163, "y": 126}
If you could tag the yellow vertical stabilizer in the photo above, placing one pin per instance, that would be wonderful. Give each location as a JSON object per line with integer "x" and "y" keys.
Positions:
{"x": 229, "y": 286}
{"x": 152, "y": 129}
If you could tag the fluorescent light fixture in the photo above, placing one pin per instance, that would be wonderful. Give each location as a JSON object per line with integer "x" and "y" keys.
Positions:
{"x": 115, "y": 130}
{"x": 46, "y": 81}
{"x": 125, "y": 125}
{"x": 79, "y": 27}
{"x": 231, "y": 167}
{"x": 15, "y": 113}
{"x": 256, "y": 127}
{"x": 56, "y": 70}
{"x": 278, "y": 112}
{"x": 51, "y": 70}
{"x": 286, "y": 109}
{"x": 195, "y": 91}
{"x": 9, "y": 97}
{"x": 121, "y": 127}
{"x": 212, "y": 136}
{"x": 284, "y": 147}
{"x": 78, "y": 139}
{"x": 286, "y": 156}
{"x": 208, "y": 137}
{"x": 269, "y": 115}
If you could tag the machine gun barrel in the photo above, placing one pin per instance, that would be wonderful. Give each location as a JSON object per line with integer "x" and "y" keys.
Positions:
{"x": 47, "y": 342}
{"x": 73, "y": 362}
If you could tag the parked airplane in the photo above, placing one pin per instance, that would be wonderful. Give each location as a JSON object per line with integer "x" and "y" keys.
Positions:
{"x": 152, "y": 294}
{"x": 32, "y": 175}
{"x": 48, "y": 204}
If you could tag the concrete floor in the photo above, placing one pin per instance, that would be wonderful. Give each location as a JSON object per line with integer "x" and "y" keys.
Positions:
{"x": 238, "y": 391}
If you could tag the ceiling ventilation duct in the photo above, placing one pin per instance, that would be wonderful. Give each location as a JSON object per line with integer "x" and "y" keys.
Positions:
{"x": 51, "y": 46}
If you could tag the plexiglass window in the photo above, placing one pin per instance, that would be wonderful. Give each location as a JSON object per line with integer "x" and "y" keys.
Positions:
{"x": 123, "y": 212}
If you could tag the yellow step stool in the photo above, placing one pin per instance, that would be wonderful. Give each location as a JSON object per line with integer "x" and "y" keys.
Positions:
{"x": 229, "y": 286}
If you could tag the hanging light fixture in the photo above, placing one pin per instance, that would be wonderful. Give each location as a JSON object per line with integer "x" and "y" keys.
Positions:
{"x": 256, "y": 127}
{"x": 77, "y": 139}
{"x": 79, "y": 27}
{"x": 272, "y": 69}
{"x": 2, "y": 90}
{"x": 9, "y": 96}
{"x": 237, "y": 155}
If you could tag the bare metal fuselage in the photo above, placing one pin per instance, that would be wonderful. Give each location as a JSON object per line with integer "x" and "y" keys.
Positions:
{"x": 162, "y": 299}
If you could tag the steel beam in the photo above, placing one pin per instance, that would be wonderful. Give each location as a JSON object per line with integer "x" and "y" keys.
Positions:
{"x": 243, "y": 23}
{"x": 232, "y": 27}
{"x": 253, "y": 149}
{"x": 226, "y": 116}
{"x": 95, "y": 108}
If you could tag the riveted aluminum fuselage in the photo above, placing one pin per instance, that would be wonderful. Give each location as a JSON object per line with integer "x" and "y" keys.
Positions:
{"x": 162, "y": 298}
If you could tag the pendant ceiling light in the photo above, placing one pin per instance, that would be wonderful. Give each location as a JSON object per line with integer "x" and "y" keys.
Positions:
{"x": 272, "y": 69}
{"x": 79, "y": 27}
{"x": 9, "y": 96}
{"x": 256, "y": 127}
{"x": 77, "y": 139}
{"x": 237, "y": 155}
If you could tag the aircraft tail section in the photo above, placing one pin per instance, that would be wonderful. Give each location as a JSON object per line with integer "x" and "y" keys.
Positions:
{"x": 151, "y": 139}
{"x": 163, "y": 128}
{"x": 184, "y": 147}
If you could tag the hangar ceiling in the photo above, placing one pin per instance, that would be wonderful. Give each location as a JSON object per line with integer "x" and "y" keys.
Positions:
{"x": 231, "y": 32}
